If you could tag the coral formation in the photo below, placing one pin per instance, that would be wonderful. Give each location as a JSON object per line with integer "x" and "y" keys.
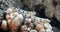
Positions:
{"x": 29, "y": 15}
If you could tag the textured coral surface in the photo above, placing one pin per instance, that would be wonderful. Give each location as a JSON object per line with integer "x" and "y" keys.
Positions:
{"x": 30, "y": 15}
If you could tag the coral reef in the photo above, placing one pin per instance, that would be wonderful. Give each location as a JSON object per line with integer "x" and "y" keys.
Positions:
{"x": 15, "y": 21}
{"x": 29, "y": 15}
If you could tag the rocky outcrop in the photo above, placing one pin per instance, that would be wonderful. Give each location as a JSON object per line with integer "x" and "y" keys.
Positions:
{"x": 49, "y": 8}
{"x": 57, "y": 12}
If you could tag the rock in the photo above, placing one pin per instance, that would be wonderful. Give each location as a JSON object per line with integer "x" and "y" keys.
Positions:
{"x": 18, "y": 3}
{"x": 57, "y": 12}
{"x": 30, "y": 4}
{"x": 49, "y": 12}
{"x": 58, "y": 1}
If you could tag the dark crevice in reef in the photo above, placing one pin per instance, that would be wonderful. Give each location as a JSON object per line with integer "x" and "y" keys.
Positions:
{"x": 1, "y": 30}
{"x": 40, "y": 9}
{"x": 55, "y": 22}
{"x": 25, "y": 7}
{"x": 54, "y": 3}
{"x": 0, "y": 6}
